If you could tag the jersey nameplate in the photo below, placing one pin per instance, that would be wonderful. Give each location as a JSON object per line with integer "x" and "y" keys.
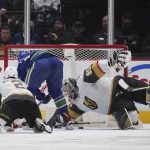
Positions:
{"x": 89, "y": 103}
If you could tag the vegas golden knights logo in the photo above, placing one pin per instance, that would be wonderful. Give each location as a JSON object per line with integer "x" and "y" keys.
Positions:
{"x": 89, "y": 103}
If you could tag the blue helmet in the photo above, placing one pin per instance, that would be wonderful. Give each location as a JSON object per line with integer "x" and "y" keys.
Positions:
{"x": 22, "y": 55}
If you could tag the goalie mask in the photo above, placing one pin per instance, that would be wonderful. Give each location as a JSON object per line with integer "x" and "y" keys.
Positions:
{"x": 10, "y": 72}
{"x": 70, "y": 87}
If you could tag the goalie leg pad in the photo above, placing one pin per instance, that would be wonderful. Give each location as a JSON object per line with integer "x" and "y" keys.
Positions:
{"x": 135, "y": 121}
{"x": 125, "y": 119}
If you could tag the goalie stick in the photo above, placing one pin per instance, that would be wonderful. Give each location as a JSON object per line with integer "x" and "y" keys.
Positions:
{"x": 125, "y": 86}
{"x": 80, "y": 123}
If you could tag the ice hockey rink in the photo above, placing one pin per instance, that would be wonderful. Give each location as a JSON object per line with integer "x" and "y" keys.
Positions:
{"x": 78, "y": 139}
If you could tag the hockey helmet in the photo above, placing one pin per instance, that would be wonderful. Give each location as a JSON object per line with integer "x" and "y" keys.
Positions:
{"x": 22, "y": 55}
{"x": 70, "y": 88}
{"x": 10, "y": 72}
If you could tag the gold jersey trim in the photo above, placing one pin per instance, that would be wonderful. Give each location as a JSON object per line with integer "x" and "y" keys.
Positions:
{"x": 97, "y": 70}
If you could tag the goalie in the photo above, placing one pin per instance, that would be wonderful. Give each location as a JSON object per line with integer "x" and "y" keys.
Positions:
{"x": 100, "y": 92}
{"x": 17, "y": 102}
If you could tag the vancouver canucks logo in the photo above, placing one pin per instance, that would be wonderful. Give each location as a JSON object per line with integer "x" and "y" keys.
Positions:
{"x": 89, "y": 103}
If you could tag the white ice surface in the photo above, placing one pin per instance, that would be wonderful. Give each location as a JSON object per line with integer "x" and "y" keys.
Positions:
{"x": 78, "y": 139}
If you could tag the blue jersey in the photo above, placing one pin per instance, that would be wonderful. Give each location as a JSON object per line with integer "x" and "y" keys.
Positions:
{"x": 38, "y": 67}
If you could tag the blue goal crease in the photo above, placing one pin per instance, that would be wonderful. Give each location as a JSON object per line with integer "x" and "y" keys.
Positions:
{"x": 139, "y": 67}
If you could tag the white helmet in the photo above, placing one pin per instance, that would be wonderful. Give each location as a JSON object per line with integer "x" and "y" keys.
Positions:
{"x": 10, "y": 72}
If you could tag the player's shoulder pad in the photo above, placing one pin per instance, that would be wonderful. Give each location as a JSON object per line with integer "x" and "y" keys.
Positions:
{"x": 89, "y": 75}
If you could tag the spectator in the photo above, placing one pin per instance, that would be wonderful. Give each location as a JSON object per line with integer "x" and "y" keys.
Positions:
{"x": 2, "y": 10}
{"x": 101, "y": 37}
{"x": 40, "y": 30}
{"x": 48, "y": 9}
{"x": 5, "y": 38}
{"x": 58, "y": 34}
{"x": 5, "y": 35}
{"x": 15, "y": 20}
{"x": 34, "y": 37}
{"x": 47, "y": 15}
{"x": 127, "y": 34}
{"x": 77, "y": 33}
{"x": 40, "y": 3}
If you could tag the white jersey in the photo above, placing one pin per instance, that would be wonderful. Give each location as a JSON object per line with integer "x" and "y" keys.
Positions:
{"x": 96, "y": 96}
{"x": 13, "y": 89}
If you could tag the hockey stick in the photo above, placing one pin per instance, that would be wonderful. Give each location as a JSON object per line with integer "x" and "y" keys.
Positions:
{"x": 82, "y": 123}
{"x": 130, "y": 89}
{"x": 125, "y": 86}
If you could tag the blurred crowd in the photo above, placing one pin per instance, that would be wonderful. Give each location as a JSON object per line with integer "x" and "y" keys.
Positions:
{"x": 48, "y": 26}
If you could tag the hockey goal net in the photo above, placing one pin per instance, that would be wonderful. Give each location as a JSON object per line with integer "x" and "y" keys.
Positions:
{"x": 75, "y": 58}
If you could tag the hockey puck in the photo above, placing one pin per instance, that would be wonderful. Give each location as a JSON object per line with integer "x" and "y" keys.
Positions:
{"x": 80, "y": 127}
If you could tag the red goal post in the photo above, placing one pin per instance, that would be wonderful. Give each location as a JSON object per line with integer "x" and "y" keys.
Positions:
{"x": 83, "y": 54}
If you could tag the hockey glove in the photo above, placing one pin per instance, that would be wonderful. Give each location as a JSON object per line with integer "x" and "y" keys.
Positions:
{"x": 120, "y": 59}
{"x": 123, "y": 58}
{"x": 46, "y": 99}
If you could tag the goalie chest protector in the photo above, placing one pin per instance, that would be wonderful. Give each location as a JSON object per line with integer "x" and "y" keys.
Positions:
{"x": 96, "y": 96}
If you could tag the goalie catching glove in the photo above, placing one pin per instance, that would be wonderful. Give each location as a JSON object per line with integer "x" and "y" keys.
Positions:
{"x": 120, "y": 60}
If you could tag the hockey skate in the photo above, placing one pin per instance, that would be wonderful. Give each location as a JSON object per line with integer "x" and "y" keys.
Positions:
{"x": 42, "y": 126}
{"x": 56, "y": 120}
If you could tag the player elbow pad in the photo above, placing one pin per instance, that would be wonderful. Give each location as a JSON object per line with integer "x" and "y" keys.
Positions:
{"x": 96, "y": 71}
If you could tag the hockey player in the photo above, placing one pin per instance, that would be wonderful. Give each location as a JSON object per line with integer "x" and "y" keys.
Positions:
{"x": 100, "y": 92}
{"x": 17, "y": 102}
{"x": 40, "y": 66}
